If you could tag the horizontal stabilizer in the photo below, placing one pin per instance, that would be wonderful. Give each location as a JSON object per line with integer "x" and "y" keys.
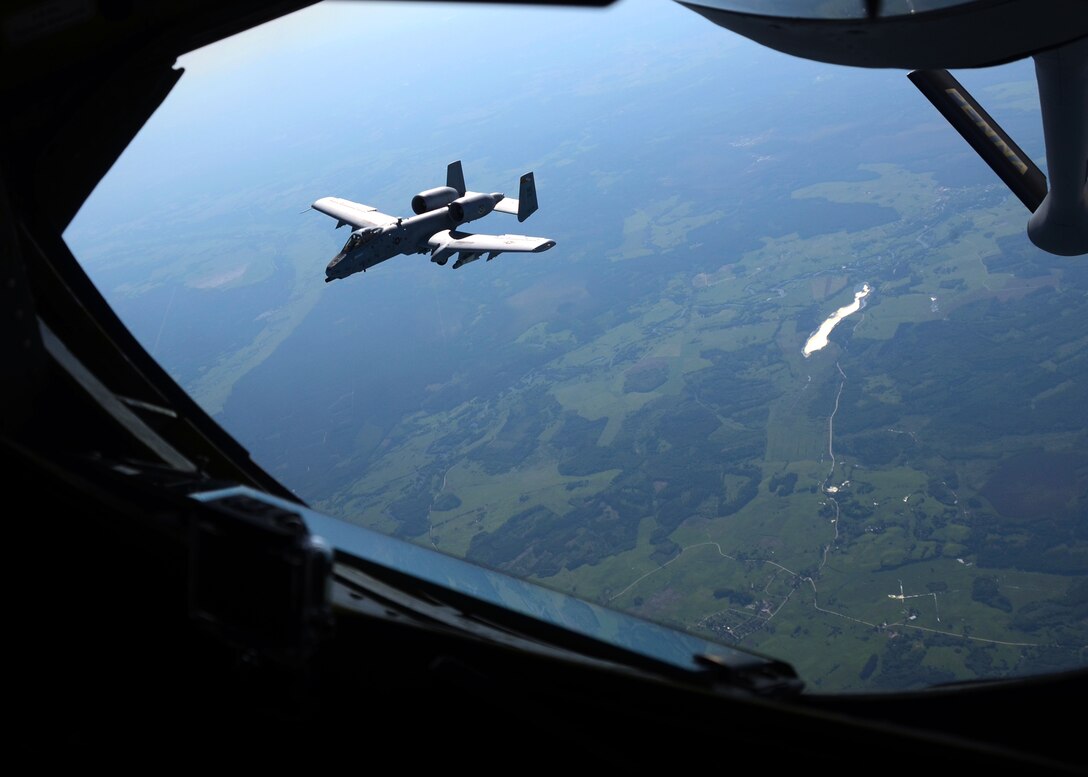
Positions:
{"x": 990, "y": 142}
{"x": 525, "y": 205}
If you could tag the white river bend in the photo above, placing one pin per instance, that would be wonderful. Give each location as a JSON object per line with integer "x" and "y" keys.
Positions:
{"x": 818, "y": 339}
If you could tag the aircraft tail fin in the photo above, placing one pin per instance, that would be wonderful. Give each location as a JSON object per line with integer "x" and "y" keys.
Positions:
{"x": 523, "y": 207}
{"x": 527, "y": 197}
{"x": 455, "y": 177}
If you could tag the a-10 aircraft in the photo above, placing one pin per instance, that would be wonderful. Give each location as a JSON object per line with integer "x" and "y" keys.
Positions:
{"x": 378, "y": 236}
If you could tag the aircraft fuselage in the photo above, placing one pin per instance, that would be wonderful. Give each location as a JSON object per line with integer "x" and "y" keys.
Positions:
{"x": 372, "y": 245}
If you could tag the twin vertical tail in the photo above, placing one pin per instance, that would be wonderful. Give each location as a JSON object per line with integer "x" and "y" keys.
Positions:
{"x": 455, "y": 177}
{"x": 527, "y": 197}
{"x": 523, "y": 207}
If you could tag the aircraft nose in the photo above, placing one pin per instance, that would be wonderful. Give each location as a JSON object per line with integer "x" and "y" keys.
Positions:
{"x": 331, "y": 269}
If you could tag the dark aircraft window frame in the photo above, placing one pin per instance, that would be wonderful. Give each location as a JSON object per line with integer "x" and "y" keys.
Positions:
{"x": 836, "y": 10}
{"x": 78, "y": 316}
{"x": 361, "y": 237}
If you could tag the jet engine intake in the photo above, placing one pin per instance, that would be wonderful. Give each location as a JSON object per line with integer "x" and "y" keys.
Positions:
{"x": 432, "y": 199}
{"x": 472, "y": 207}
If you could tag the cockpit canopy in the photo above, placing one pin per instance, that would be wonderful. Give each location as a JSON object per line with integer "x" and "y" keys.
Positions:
{"x": 361, "y": 237}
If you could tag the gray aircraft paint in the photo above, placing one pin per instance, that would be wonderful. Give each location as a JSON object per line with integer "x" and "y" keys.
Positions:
{"x": 439, "y": 211}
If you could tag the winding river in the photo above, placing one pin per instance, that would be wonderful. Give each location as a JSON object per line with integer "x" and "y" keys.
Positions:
{"x": 818, "y": 339}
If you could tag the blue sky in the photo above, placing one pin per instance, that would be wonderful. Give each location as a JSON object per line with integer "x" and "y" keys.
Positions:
{"x": 342, "y": 82}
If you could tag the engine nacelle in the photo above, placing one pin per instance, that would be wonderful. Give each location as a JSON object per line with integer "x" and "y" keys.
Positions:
{"x": 433, "y": 199}
{"x": 472, "y": 207}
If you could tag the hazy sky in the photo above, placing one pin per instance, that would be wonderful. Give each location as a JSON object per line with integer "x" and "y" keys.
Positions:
{"x": 632, "y": 103}
{"x": 341, "y": 82}
{"x": 344, "y": 81}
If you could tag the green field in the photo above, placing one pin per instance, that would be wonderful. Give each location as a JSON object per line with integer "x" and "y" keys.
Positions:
{"x": 677, "y": 461}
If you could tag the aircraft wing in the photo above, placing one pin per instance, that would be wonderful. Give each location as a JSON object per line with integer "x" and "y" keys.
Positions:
{"x": 470, "y": 246}
{"x": 353, "y": 213}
